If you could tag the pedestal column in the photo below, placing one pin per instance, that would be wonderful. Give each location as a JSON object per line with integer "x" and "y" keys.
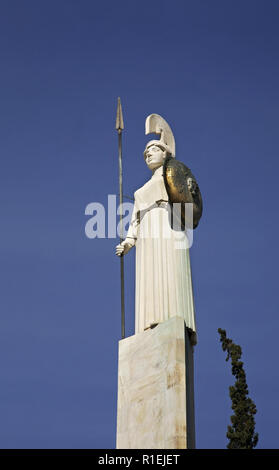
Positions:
{"x": 155, "y": 406}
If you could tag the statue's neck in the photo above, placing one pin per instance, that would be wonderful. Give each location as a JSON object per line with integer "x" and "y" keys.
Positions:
{"x": 157, "y": 172}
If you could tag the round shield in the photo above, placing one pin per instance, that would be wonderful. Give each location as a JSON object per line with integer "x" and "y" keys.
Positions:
{"x": 182, "y": 187}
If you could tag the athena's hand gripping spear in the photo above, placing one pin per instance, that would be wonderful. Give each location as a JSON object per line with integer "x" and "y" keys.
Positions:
{"x": 119, "y": 127}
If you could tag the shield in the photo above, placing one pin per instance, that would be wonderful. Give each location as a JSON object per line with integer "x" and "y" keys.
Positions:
{"x": 182, "y": 187}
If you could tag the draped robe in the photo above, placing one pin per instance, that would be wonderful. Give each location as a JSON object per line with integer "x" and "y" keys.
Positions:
{"x": 163, "y": 271}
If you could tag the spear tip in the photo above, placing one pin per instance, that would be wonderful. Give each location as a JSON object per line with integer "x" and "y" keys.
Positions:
{"x": 119, "y": 117}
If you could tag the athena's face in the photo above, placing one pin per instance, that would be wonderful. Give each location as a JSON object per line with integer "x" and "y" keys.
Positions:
{"x": 154, "y": 156}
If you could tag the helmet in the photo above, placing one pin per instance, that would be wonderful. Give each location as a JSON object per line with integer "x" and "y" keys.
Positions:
{"x": 156, "y": 124}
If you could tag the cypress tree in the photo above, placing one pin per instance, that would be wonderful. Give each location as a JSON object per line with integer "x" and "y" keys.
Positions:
{"x": 241, "y": 432}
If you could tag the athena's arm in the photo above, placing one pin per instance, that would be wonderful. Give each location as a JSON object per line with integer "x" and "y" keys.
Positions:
{"x": 132, "y": 233}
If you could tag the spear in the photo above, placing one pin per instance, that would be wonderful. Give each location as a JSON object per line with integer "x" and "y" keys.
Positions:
{"x": 119, "y": 127}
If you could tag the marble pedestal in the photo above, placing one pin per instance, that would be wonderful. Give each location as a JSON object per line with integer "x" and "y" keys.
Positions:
{"x": 155, "y": 408}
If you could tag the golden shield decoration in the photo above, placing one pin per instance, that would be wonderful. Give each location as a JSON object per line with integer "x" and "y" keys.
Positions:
{"x": 182, "y": 187}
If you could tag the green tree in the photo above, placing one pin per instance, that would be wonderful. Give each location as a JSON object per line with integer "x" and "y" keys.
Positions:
{"x": 241, "y": 433}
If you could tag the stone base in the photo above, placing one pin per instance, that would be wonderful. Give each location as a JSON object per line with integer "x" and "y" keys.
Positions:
{"x": 155, "y": 408}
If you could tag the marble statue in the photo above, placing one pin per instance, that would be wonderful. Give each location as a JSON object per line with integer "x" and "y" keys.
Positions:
{"x": 163, "y": 271}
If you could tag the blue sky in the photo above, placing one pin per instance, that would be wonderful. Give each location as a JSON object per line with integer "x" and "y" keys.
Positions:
{"x": 211, "y": 70}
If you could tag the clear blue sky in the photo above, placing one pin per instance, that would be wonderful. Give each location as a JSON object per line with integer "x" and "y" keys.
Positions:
{"x": 211, "y": 70}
